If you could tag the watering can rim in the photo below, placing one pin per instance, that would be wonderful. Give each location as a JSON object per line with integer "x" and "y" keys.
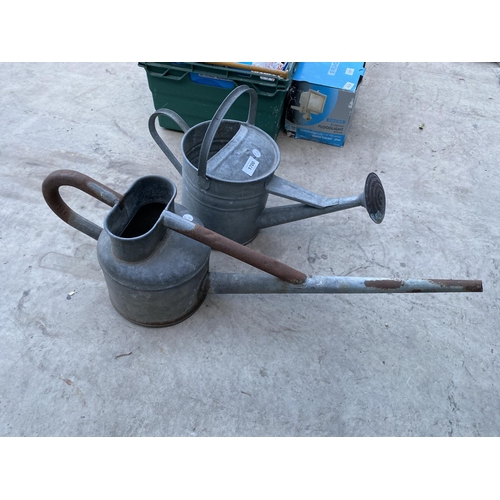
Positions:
{"x": 265, "y": 175}
{"x": 168, "y": 206}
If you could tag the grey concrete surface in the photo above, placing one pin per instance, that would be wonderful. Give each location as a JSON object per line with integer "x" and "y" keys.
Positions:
{"x": 254, "y": 365}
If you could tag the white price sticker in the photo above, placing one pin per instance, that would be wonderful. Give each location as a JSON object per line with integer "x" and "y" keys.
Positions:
{"x": 250, "y": 166}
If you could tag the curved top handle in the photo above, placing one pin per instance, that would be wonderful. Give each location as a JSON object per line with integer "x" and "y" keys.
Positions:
{"x": 50, "y": 190}
{"x": 217, "y": 119}
{"x": 154, "y": 133}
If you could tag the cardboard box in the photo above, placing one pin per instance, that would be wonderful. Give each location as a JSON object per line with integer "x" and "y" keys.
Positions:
{"x": 321, "y": 99}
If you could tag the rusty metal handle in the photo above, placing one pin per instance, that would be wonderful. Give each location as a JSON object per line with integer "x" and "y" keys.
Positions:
{"x": 218, "y": 242}
{"x": 217, "y": 119}
{"x": 154, "y": 133}
{"x": 50, "y": 190}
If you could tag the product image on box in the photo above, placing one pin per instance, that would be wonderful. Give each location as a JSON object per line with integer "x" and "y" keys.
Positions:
{"x": 321, "y": 99}
{"x": 311, "y": 102}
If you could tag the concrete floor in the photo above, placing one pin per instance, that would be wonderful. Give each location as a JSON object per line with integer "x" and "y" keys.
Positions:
{"x": 255, "y": 365}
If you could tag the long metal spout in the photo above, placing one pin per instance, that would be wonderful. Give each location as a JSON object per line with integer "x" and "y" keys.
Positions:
{"x": 312, "y": 205}
{"x": 284, "y": 279}
{"x": 223, "y": 283}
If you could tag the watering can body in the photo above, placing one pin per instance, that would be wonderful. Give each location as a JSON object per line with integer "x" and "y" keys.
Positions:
{"x": 231, "y": 197}
{"x": 163, "y": 286}
{"x": 155, "y": 276}
{"x": 228, "y": 171}
{"x": 164, "y": 291}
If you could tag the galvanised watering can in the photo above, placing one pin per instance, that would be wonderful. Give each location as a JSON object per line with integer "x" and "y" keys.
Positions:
{"x": 155, "y": 255}
{"x": 228, "y": 171}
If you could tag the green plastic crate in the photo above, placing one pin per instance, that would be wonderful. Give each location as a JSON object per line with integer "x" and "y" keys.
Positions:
{"x": 196, "y": 90}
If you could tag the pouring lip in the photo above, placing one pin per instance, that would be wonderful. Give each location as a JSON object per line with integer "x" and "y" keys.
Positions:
{"x": 251, "y": 179}
{"x": 169, "y": 201}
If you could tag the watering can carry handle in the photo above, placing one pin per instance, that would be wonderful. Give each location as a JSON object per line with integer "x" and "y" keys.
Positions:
{"x": 236, "y": 250}
{"x": 154, "y": 133}
{"x": 217, "y": 119}
{"x": 50, "y": 190}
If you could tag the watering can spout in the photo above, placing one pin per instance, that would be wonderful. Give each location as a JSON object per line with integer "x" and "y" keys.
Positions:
{"x": 232, "y": 283}
{"x": 311, "y": 204}
{"x": 280, "y": 278}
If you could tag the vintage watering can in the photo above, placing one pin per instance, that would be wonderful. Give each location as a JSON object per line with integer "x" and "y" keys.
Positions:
{"x": 228, "y": 172}
{"x": 155, "y": 255}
